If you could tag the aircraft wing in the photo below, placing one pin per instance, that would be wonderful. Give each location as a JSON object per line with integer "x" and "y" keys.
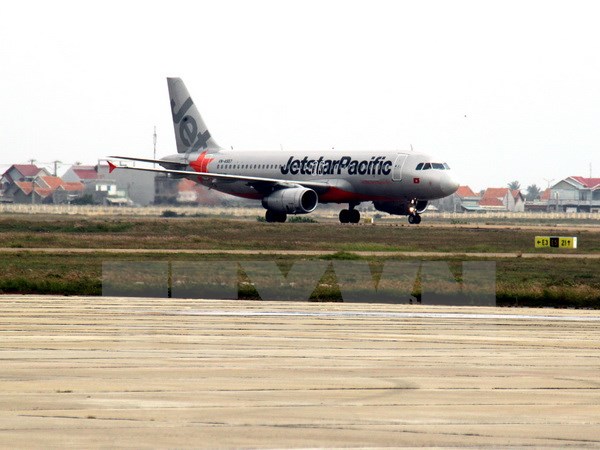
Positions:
{"x": 149, "y": 160}
{"x": 318, "y": 186}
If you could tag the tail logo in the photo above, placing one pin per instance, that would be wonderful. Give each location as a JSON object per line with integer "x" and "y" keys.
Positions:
{"x": 201, "y": 164}
{"x": 188, "y": 128}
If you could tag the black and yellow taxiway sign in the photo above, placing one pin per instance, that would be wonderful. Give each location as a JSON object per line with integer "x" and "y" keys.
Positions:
{"x": 555, "y": 241}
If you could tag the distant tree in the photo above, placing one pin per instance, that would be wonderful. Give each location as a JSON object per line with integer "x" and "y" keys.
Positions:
{"x": 87, "y": 199}
{"x": 514, "y": 185}
{"x": 533, "y": 193}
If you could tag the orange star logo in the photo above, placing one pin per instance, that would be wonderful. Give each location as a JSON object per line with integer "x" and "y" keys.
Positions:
{"x": 201, "y": 164}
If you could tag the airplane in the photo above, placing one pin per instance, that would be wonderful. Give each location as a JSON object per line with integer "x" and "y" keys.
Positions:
{"x": 400, "y": 183}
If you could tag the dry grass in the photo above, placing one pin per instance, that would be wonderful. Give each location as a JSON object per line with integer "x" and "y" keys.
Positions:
{"x": 203, "y": 233}
{"x": 520, "y": 281}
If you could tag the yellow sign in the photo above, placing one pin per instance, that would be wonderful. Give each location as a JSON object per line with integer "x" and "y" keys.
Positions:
{"x": 554, "y": 241}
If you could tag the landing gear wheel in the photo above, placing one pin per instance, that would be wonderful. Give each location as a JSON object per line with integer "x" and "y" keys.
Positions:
{"x": 274, "y": 216}
{"x": 354, "y": 216}
{"x": 414, "y": 219}
{"x": 345, "y": 216}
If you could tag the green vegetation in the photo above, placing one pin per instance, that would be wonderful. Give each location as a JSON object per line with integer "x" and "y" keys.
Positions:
{"x": 343, "y": 256}
{"x": 520, "y": 282}
{"x": 301, "y": 219}
{"x": 169, "y": 213}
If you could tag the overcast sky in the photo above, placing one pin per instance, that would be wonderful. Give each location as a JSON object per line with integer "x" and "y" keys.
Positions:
{"x": 501, "y": 90}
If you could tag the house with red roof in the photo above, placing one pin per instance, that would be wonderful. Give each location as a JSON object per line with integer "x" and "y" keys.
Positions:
{"x": 502, "y": 199}
{"x": 464, "y": 199}
{"x": 575, "y": 194}
{"x": 83, "y": 174}
{"x": 18, "y": 173}
{"x": 546, "y": 195}
{"x": 45, "y": 189}
{"x": 22, "y": 172}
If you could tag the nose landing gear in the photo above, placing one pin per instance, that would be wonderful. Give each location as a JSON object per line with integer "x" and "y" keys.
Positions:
{"x": 414, "y": 219}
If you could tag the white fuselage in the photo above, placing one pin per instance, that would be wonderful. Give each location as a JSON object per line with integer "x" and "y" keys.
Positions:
{"x": 353, "y": 176}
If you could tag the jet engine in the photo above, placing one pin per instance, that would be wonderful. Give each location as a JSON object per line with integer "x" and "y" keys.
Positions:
{"x": 292, "y": 201}
{"x": 400, "y": 208}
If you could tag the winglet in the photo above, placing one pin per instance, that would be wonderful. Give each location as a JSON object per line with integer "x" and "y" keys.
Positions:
{"x": 111, "y": 167}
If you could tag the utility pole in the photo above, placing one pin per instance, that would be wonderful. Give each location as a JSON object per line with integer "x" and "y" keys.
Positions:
{"x": 154, "y": 140}
{"x": 31, "y": 161}
{"x": 56, "y": 163}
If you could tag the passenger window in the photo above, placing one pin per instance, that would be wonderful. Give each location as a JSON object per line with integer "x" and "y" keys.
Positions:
{"x": 419, "y": 166}
{"x": 427, "y": 166}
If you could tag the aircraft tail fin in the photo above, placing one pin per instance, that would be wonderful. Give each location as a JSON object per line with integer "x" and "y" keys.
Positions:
{"x": 191, "y": 133}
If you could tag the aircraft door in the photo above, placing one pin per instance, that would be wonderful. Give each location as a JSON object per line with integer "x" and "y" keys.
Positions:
{"x": 398, "y": 165}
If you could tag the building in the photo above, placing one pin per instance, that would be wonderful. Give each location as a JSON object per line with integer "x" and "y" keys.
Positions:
{"x": 464, "y": 199}
{"x": 45, "y": 189}
{"x": 539, "y": 204}
{"x": 502, "y": 199}
{"x": 118, "y": 187}
{"x": 575, "y": 194}
{"x": 138, "y": 186}
{"x": 166, "y": 189}
{"x": 82, "y": 174}
{"x": 21, "y": 172}
{"x": 100, "y": 188}
{"x": 62, "y": 192}
{"x": 18, "y": 173}
{"x": 468, "y": 199}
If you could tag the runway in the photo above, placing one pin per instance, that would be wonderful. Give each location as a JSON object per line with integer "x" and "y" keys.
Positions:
{"x": 99, "y": 372}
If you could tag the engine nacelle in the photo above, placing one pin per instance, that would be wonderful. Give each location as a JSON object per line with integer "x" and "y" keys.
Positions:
{"x": 400, "y": 208}
{"x": 292, "y": 200}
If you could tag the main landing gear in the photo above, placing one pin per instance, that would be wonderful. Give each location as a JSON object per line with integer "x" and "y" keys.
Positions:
{"x": 350, "y": 215}
{"x": 274, "y": 216}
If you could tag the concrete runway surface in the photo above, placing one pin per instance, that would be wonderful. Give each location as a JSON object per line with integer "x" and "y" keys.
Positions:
{"x": 100, "y": 372}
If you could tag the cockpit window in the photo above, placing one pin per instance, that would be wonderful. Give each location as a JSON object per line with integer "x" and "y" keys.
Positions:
{"x": 438, "y": 166}
{"x": 426, "y": 166}
{"x": 446, "y": 166}
{"x": 419, "y": 166}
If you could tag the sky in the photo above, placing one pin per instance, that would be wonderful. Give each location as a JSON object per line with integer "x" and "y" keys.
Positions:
{"x": 501, "y": 90}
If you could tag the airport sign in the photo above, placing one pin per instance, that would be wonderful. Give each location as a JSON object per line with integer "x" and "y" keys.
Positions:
{"x": 555, "y": 241}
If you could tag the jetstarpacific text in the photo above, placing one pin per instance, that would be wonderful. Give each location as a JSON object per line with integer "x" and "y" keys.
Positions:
{"x": 377, "y": 165}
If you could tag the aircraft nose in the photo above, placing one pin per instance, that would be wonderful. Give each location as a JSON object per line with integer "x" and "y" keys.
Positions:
{"x": 449, "y": 186}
